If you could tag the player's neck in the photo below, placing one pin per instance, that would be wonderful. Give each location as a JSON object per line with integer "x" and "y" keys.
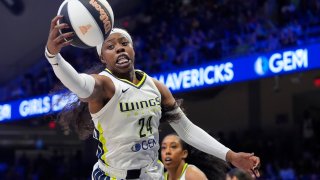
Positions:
{"x": 175, "y": 173}
{"x": 130, "y": 76}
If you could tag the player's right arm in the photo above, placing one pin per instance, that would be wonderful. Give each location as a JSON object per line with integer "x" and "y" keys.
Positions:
{"x": 94, "y": 89}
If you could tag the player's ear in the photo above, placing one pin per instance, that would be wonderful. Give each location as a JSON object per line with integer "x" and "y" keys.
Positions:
{"x": 185, "y": 154}
{"x": 102, "y": 60}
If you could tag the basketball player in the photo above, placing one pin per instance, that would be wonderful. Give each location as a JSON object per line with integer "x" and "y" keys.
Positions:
{"x": 126, "y": 106}
{"x": 176, "y": 156}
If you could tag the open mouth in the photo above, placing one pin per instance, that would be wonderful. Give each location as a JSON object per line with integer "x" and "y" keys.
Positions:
{"x": 167, "y": 160}
{"x": 123, "y": 59}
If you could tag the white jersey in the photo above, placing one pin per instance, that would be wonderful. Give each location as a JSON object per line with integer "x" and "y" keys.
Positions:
{"x": 127, "y": 126}
{"x": 183, "y": 173}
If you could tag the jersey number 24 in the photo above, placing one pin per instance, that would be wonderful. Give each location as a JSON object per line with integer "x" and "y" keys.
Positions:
{"x": 145, "y": 124}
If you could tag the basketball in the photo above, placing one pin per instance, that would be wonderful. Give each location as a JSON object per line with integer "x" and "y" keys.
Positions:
{"x": 91, "y": 20}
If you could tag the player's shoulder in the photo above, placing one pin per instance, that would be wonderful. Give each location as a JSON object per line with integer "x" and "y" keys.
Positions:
{"x": 194, "y": 173}
{"x": 103, "y": 77}
{"x": 108, "y": 77}
{"x": 106, "y": 73}
{"x": 166, "y": 95}
{"x": 159, "y": 84}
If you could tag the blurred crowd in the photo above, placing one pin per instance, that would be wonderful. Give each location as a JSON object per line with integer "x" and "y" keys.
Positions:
{"x": 46, "y": 165}
{"x": 175, "y": 34}
{"x": 281, "y": 159}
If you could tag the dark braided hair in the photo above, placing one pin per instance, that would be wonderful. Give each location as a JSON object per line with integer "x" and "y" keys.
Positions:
{"x": 213, "y": 167}
{"x": 166, "y": 116}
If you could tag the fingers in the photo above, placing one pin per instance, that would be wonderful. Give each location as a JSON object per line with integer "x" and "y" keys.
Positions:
{"x": 247, "y": 155}
{"x": 55, "y": 27}
{"x": 252, "y": 164}
{"x": 64, "y": 39}
{"x": 254, "y": 173}
{"x": 67, "y": 43}
{"x": 54, "y": 21}
{"x": 247, "y": 162}
{"x": 61, "y": 38}
{"x": 256, "y": 167}
{"x": 57, "y": 40}
{"x": 55, "y": 31}
{"x": 257, "y": 162}
{"x": 257, "y": 173}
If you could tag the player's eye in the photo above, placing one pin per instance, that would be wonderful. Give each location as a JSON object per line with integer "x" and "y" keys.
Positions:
{"x": 110, "y": 47}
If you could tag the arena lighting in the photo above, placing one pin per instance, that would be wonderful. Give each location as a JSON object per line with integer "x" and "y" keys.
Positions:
{"x": 16, "y": 7}
{"x": 316, "y": 82}
{"x": 52, "y": 124}
{"x": 216, "y": 73}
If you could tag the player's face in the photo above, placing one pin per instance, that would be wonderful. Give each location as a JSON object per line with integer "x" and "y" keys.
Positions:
{"x": 118, "y": 54}
{"x": 172, "y": 154}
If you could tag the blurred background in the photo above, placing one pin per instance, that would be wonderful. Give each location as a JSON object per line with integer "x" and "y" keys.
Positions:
{"x": 248, "y": 72}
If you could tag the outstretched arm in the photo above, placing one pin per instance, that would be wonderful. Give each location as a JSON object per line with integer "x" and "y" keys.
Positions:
{"x": 87, "y": 87}
{"x": 201, "y": 140}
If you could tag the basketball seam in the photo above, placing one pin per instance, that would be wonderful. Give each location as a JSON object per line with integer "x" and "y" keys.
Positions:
{"x": 59, "y": 12}
{"x": 96, "y": 15}
{"x": 109, "y": 9}
{"x": 106, "y": 10}
{"x": 94, "y": 20}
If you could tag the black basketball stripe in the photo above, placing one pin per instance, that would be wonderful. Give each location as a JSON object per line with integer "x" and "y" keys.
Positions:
{"x": 96, "y": 15}
{"x": 76, "y": 40}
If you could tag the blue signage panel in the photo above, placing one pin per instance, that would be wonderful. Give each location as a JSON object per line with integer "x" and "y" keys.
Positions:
{"x": 246, "y": 68}
{"x": 216, "y": 73}
{"x": 33, "y": 107}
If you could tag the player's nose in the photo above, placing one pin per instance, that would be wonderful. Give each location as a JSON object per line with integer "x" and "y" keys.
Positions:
{"x": 168, "y": 151}
{"x": 119, "y": 49}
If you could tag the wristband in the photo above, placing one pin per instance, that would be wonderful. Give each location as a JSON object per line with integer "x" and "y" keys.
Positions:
{"x": 48, "y": 54}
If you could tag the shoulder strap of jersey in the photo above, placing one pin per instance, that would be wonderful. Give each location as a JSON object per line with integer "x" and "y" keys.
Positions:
{"x": 183, "y": 170}
{"x": 165, "y": 175}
